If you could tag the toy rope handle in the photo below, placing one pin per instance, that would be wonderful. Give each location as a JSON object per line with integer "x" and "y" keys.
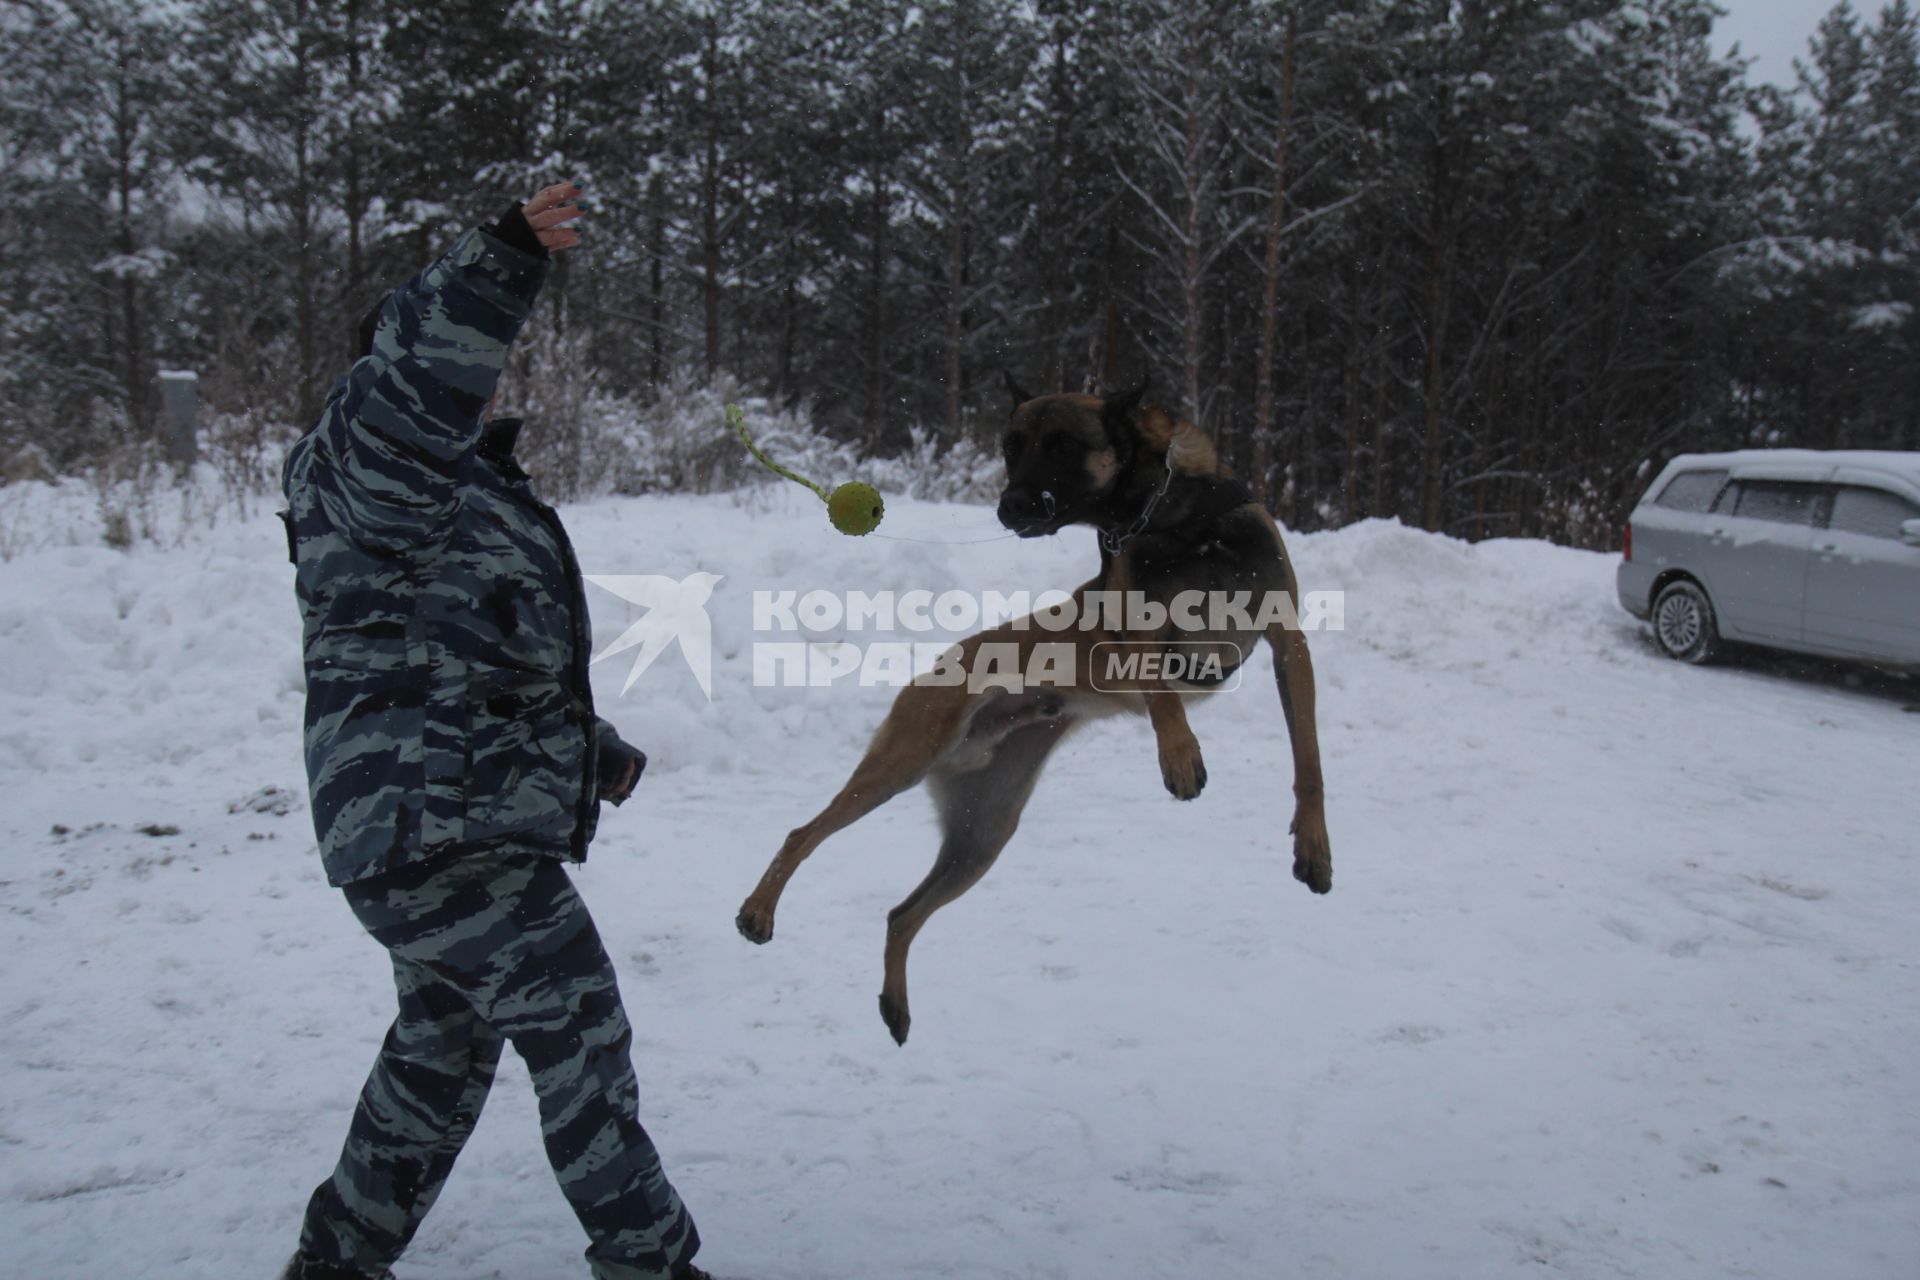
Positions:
{"x": 738, "y": 421}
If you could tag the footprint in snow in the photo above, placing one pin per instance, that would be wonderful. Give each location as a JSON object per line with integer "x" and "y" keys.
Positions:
{"x": 1623, "y": 928}
{"x": 1791, "y": 890}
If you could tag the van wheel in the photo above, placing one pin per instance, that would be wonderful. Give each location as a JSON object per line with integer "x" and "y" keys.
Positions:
{"x": 1683, "y": 623}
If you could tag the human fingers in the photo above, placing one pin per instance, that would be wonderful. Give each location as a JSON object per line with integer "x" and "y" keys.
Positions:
{"x": 547, "y": 197}
{"x": 555, "y": 216}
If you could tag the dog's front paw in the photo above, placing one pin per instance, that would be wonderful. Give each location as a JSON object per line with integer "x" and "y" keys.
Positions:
{"x": 1312, "y": 854}
{"x": 1184, "y": 772}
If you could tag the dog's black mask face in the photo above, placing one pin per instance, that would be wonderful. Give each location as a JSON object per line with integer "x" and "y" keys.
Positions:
{"x": 1065, "y": 455}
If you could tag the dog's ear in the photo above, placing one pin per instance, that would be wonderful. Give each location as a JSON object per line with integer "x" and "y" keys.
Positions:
{"x": 1117, "y": 415}
{"x": 1190, "y": 452}
{"x": 1019, "y": 393}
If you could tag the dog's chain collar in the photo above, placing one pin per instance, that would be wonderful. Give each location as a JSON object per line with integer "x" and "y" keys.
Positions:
{"x": 1113, "y": 542}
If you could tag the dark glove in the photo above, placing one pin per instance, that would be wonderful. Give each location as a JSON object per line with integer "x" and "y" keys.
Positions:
{"x": 620, "y": 768}
{"x": 513, "y": 228}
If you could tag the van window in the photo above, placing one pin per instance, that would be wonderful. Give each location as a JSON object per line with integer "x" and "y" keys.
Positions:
{"x": 1691, "y": 490}
{"x": 1874, "y": 512}
{"x": 1783, "y": 501}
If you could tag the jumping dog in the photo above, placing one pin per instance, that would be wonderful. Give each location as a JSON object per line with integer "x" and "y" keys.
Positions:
{"x": 1171, "y": 521}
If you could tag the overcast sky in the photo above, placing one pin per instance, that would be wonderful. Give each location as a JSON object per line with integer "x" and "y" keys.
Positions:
{"x": 1775, "y": 32}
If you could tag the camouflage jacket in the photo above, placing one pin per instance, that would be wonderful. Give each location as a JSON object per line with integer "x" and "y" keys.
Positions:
{"x": 444, "y": 624}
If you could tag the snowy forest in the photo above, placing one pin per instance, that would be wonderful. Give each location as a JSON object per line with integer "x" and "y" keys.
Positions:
{"x": 1474, "y": 264}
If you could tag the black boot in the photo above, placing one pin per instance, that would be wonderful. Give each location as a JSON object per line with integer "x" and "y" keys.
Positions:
{"x": 302, "y": 1267}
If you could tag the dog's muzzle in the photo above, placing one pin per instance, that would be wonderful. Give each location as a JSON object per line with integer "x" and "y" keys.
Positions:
{"x": 1029, "y": 512}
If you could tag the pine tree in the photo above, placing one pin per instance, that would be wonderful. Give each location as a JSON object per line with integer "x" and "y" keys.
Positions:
{"x": 87, "y": 130}
{"x": 959, "y": 170}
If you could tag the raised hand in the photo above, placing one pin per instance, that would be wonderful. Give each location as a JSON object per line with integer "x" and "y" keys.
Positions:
{"x": 549, "y": 212}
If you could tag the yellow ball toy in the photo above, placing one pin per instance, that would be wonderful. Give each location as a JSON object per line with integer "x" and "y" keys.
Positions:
{"x": 854, "y": 508}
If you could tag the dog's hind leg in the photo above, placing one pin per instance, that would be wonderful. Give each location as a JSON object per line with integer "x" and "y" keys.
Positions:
{"x": 1293, "y": 674}
{"x": 979, "y": 809}
{"x": 924, "y": 721}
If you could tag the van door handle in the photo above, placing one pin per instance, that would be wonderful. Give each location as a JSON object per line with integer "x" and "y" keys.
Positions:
{"x": 1828, "y": 548}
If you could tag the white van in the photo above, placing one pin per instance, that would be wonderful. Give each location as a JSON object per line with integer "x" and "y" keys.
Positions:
{"x": 1813, "y": 551}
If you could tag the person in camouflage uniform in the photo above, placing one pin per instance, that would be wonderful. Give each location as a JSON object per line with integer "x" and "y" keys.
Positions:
{"x": 455, "y": 761}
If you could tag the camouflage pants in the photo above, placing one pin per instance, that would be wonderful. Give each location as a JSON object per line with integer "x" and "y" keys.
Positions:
{"x": 487, "y": 948}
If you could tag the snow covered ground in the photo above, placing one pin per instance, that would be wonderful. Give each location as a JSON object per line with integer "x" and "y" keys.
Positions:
{"x": 1617, "y": 977}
